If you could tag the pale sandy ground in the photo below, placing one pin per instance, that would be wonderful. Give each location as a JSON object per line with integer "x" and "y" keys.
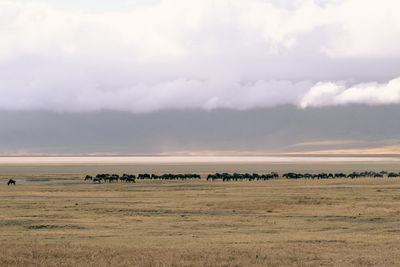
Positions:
{"x": 378, "y": 151}
{"x": 112, "y": 160}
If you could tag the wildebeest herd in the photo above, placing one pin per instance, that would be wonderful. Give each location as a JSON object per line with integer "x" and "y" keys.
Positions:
{"x": 239, "y": 177}
{"x": 99, "y": 178}
{"x": 132, "y": 177}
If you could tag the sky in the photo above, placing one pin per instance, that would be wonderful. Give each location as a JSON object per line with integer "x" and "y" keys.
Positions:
{"x": 145, "y": 60}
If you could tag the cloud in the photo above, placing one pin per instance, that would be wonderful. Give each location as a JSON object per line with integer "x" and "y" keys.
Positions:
{"x": 372, "y": 93}
{"x": 180, "y": 54}
{"x": 320, "y": 94}
{"x": 146, "y": 97}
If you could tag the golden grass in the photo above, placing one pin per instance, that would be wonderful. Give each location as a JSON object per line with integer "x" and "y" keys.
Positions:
{"x": 64, "y": 221}
{"x": 317, "y": 253}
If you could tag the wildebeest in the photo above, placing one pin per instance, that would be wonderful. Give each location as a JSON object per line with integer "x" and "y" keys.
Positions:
{"x": 11, "y": 181}
{"x": 97, "y": 180}
{"x": 128, "y": 178}
{"x": 238, "y": 176}
{"x": 142, "y": 176}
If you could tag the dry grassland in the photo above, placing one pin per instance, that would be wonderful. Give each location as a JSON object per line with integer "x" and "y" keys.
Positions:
{"x": 60, "y": 220}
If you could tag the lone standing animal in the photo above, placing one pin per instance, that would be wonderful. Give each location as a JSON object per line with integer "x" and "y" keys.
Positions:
{"x": 11, "y": 181}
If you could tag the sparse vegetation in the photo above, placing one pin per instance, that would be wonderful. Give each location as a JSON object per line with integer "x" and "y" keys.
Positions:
{"x": 61, "y": 220}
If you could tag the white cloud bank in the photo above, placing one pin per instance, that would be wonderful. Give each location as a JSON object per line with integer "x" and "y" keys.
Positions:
{"x": 328, "y": 93}
{"x": 200, "y": 54}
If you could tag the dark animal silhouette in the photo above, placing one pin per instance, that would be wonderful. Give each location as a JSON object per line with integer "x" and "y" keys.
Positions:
{"x": 97, "y": 180}
{"x": 11, "y": 181}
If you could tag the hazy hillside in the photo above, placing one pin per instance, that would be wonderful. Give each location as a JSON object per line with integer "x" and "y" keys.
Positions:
{"x": 279, "y": 129}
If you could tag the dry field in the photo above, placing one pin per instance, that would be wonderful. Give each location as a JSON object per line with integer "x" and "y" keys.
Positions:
{"x": 60, "y": 220}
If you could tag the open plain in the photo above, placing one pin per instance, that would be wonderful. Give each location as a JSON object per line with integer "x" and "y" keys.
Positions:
{"x": 54, "y": 218}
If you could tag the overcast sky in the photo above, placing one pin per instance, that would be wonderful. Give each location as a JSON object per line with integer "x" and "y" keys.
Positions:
{"x": 141, "y": 57}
